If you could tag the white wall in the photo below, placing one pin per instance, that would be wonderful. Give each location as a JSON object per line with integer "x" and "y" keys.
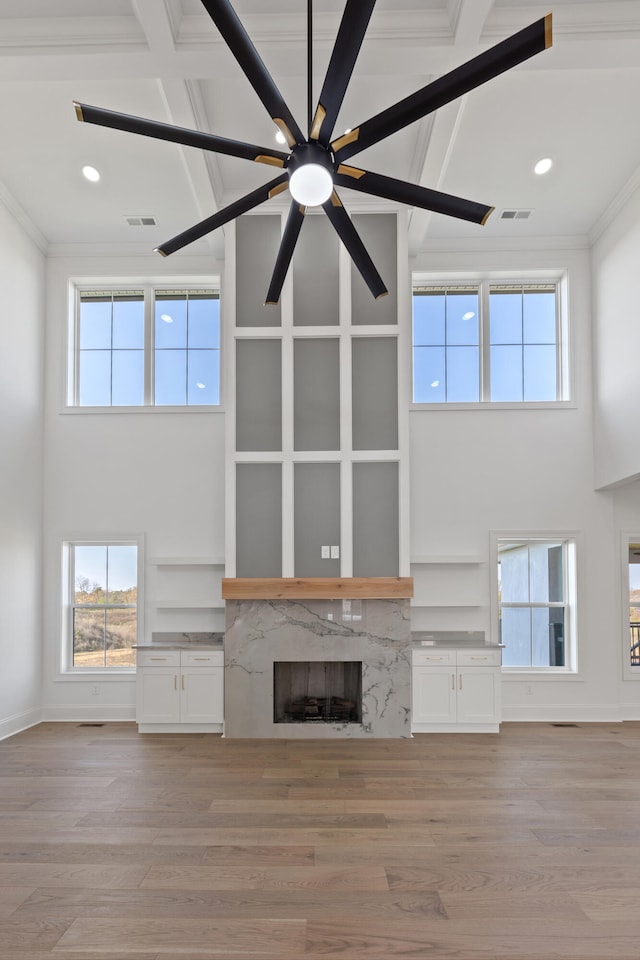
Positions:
{"x": 152, "y": 473}
{"x": 616, "y": 311}
{"x": 21, "y": 413}
{"x": 474, "y": 472}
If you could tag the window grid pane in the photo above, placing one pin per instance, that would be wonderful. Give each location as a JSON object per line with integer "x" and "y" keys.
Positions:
{"x": 104, "y": 605}
{"x": 519, "y": 363}
{"x": 110, "y": 363}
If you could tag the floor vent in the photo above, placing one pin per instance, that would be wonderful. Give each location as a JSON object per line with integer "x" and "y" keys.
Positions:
{"x": 141, "y": 221}
{"x": 515, "y": 214}
{"x": 91, "y": 724}
{"x": 565, "y": 724}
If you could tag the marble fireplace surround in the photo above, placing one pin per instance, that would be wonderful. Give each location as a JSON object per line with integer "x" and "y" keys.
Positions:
{"x": 363, "y": 619}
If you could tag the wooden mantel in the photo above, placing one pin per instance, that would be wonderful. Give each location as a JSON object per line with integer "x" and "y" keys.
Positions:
{"x": 317, "y": 588}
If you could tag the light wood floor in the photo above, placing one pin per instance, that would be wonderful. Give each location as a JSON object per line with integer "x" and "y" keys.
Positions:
{"x": 521, "y": 845}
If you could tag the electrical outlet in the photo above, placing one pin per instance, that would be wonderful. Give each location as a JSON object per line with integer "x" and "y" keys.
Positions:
{"x": 95, "y": 691}
{"x": 325, "y": 552}
{"x": 335, "y": 553}
{"x": 528, "y": 690}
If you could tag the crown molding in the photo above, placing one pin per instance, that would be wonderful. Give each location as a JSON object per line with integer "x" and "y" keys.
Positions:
{"x": 616, "y": 206}
{"x": 23, "y": 218}
{"x": 503, "y": 244}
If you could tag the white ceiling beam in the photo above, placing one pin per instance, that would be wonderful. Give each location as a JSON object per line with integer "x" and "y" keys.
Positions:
{"x": 467, "y": 22}
{"x": 468, "y": 18}
{"x": 184, "y": 106}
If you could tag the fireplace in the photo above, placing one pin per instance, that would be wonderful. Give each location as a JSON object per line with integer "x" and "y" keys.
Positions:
{"x": 317, "y": 691}
{"x": 317, "y": 658}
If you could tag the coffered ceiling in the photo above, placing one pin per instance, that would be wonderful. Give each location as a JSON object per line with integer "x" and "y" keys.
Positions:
{"x": 164, "y": 59}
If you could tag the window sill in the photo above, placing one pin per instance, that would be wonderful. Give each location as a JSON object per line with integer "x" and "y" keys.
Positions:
{"x": 149, "y": 409}
{"x": 489, "y": 405}
{"x": 540, "y": 674}
{"x": 91, "y": 676}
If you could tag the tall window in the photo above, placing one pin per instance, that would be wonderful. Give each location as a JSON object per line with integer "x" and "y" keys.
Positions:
{"x": 103, "y": 605}
{"x": 487, "y": 342}
{"x": 536, "y": 598}
{"x": 147, "y": 347}
{"x": 634, "y": 604}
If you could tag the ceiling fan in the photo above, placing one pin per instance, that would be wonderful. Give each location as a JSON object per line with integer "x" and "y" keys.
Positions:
{"x": 316, "y": 165}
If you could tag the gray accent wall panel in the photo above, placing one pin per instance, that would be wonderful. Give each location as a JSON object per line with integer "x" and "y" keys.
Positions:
{"x": 257, "y": 243}
{"x": 315, "y": 274}
{"x": 375, "y": 393}
{"x": 316, "y": 394}
{"x": 376, "y": 540}
{"x": 258, "y": 520}
{"x": 378, "y": 232}
{"x": 258, "y": 395}
{"x": 316, "y": 518}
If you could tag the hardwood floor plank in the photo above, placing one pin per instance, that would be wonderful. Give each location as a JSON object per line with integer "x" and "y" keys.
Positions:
{"x": 263, "y": 938}
{"x": 11, "y": 898}
{"x": 264, "y": 878}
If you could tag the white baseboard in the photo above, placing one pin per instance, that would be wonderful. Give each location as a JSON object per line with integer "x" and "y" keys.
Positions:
{"x": 9, "y": 726}
{"x": 564, "y": 713}
{"x": 63, "y": 713}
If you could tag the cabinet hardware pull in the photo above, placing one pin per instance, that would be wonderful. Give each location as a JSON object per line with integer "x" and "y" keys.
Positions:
{"x": 158, "y": 658}
{"x": 453, "y": 681}
{"x": 460, "y": 682}
{"x": 202, "y": 658}
{"x": 175, "y": 682}
{"x": 183, "y": 681}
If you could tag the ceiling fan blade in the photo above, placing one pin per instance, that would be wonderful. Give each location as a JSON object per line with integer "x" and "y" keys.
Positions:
{"x": 239, "y": 42}
{"x": 510, "y": 52}
{"x": 353, "y": 25}
{"x": 189, "y": 138}
{"x": 356, "y": 248}
{"x": 287, "y": 246}
{"x": 223, "y": 216}
{"x": 411, "y": 194}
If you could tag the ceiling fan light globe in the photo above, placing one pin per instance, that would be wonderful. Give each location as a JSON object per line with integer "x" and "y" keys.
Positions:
{"x": 311, "y": 185}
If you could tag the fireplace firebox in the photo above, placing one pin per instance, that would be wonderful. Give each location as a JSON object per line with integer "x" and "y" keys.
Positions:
{"x": 317, "y": 691}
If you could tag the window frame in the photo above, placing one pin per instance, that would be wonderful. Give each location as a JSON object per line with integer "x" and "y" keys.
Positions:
{"x": 629, "y": 538}
{"x": 67, "y": 670}
{"x": 149, "y": 289}
{"x": 483, "y": 282}
{"x": 570, "y": 541}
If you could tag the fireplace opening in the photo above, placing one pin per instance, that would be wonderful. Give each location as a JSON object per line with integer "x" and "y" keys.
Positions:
{"x": 317, "y": 691}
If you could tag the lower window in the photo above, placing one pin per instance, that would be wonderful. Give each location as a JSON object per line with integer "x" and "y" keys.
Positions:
{"x": 634, "y": 603}
{"x": 102, "y": 605}
{"x": 536, "y": 600}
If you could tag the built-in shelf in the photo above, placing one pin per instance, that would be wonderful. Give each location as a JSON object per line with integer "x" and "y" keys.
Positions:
{"x": 471, "y": 561}
{"x": 188, "y": 604}
{"x": 187, "y": 561}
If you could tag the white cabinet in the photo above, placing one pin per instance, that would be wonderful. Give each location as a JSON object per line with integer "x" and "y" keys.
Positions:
{"x": 456, "y": 690}
{"x": 180, "y": 691}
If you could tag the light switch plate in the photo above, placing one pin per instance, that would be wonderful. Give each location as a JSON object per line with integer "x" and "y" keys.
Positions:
{"x": 335, "y": 553}
{"x": 325, "y": 552}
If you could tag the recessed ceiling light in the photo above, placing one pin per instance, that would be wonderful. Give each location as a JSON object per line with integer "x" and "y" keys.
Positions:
{"x": 90, "y": 173}
{"x": 166, "y": 317}
{"x": 543, "y": 166}
{"x": 469, "y": 315}
{"x": 280, "y": 137}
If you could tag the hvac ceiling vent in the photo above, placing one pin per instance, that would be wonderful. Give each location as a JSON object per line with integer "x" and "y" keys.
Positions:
{"x": 141, "y": 221}
{"x": 515, "y": 214}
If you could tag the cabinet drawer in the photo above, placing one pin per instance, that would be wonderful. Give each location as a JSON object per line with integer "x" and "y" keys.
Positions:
{"x": 202, "y": 658}
{"x": 435, "y": 658}
{"x": 479, "y": 658}
{"x": 158, "y": 658}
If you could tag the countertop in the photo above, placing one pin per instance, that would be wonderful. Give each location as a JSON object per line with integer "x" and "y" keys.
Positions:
{"x": 472, "y": 639}
{"x": 182, "y": 641}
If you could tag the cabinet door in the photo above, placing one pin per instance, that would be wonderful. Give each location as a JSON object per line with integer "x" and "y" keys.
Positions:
{"x": 434, "y": 695}
{"x": 202, "y": 697}
{"x": 158, "y": 695}
{"x": 478, "y": 695}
